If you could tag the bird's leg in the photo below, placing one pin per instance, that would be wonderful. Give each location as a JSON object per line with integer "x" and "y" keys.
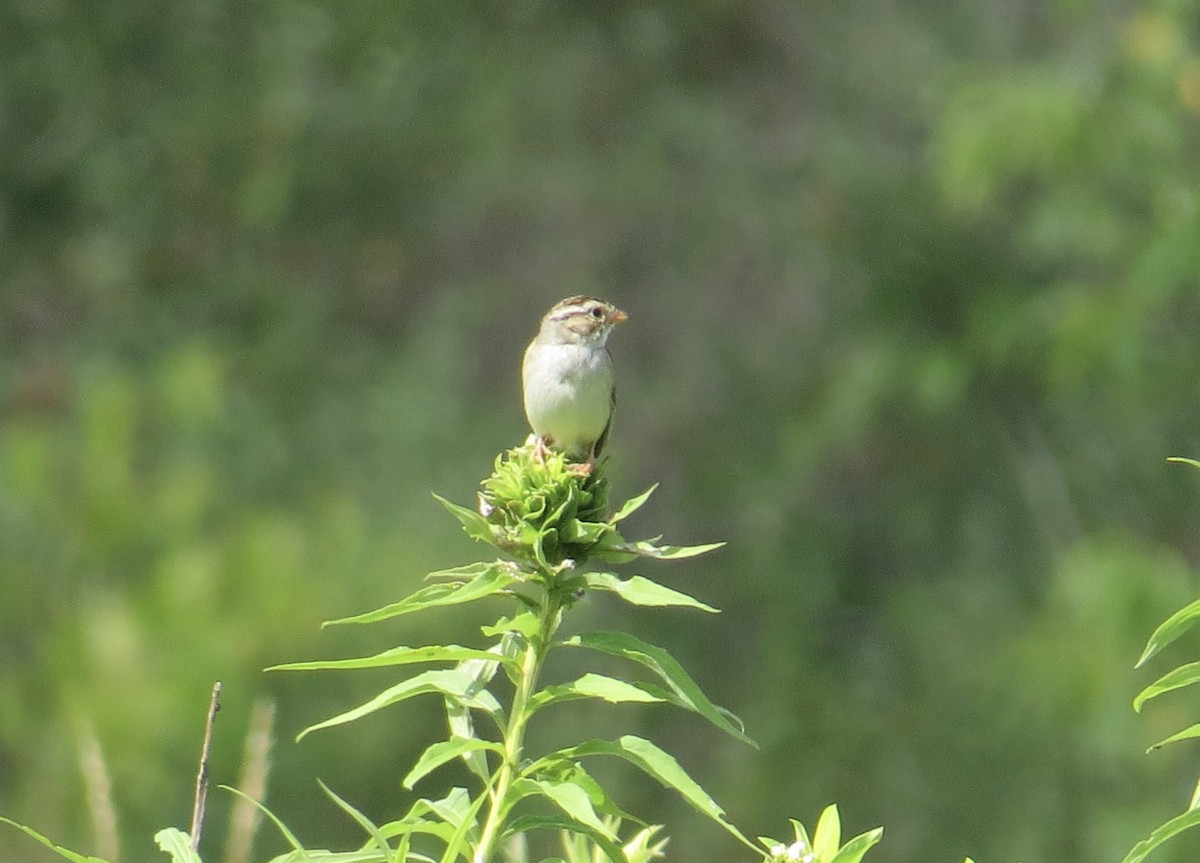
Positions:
{"x": 540, "y": 448}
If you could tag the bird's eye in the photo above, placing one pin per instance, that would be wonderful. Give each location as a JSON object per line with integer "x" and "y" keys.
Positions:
{"x": 597, "y": 312}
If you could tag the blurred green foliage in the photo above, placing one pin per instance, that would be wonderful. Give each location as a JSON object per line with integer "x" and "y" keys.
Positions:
{"x": 914, "y": 312}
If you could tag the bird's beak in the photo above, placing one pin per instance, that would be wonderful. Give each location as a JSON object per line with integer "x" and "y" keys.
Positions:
{"x": 616, "y": 316}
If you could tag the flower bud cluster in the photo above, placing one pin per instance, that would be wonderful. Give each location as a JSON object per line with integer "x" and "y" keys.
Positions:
{"x": 543, "y": 508}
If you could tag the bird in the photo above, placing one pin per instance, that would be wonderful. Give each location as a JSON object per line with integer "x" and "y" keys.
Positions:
{"x": 567, "y": 379}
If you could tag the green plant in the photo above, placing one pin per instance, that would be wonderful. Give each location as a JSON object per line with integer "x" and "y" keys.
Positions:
{"x": 548, "y": 519}
{"x": 825, "y": 845}
{"x": 1185, "y": 675}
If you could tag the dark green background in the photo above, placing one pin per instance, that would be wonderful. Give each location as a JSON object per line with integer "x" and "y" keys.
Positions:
{"x": 914, "y": 312}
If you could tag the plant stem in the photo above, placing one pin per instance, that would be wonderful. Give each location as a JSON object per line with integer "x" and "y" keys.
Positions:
{"x": 514, "y": 735}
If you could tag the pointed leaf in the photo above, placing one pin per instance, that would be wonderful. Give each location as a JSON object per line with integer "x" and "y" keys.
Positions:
{"x": 613, "y": 552}
{"x": 287, "y": 834}
{"x": 1187, "y": 734}
{"x": 467, "y": 571}
{"x": 801, "y": 833}
{"x": 462, "y": 725}
{"x": 647, "y": 548}
{"x": 574, "y": 772}
{"x": 526, "y": 623}
{"x": 451, "y": 682}
{"x": 415, "y": 822}
{"x": 369, "y": 855}
{"x": 476, "y": 526}
{"x": 610, "y": 689}
{"x": 1161, "y": 834}
{"x": 525, "y": 823}
{"x": 828, "y": 835}
{"x": 395, "y": 656}
{"x": 1173, "y": 627}
{"x": 583, "y": 531}
{"x": 642, "y": 591}
{"x": 178, "y": 844}
{"x": 632, "y": 505}
{"x": 57, "y": 849}
{"x": 458, "y": 714}
{"x": 447, "y": 750}
{"x": 660, "y": 765}
{"x": 853, "y": 851}
{"x": 664, "y": 665}
{"x": 491, "y": 578}
{"x": 568, "y": 797}
{"x": 1184, "y": 675}
{"x": 362, "y": 820}
{"x": 452, "y": 808}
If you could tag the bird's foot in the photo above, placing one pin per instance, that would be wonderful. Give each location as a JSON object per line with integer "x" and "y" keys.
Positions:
{"x": 583, "y": 468}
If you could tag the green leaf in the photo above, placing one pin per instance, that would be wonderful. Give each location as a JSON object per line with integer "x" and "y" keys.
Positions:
{"x": 800, "y": 832}
{"x": 644, "y": 846}
{"x": 525, "y": 823}
{"x": 567, "y": 796}
{"x": 1187, "y": 734}
{"x": 454, "y": 808}
{"x": 414, "y": 822}
{"x": 526, "y": 623}
{"x": 462, "y": 726}
{"x": 853, "y": 851}
{"x": 660, "y": 765}
{"x": 647, "y": 548}
{"x": 287, "y": 834}
{"x": 476, "y": 526}
{"x": 570, "y": 771}
{"x": 1184, "y": 675}
{"x": 465, "y": 572}
{"x": 447, "y": 750}
{"x": 178, "y": 844}
{"x": 632, "y": 505}
{"x": 458, "y": 715}
{"x": 1173, "y": 627}
{"x": 642, "y": 591}
{"x": 456, "y": 812}
{"x": 828, "y": 835}
{"x": 385, "y": 850}
{"x": 489, "y": 579}
{"x": 1161, "y": 834}
{"x": 395, "y": 656}
{"x": 610, "y": 551}
{"x": 1181, "y": 460}
{"x": 450, "y": 682}
{"x": 593, "y": 686}
{"x": 57, "y": 849}
{"x": 688, "y": 693}
{"x": 584, "y": 531}
{"x": 369, "y": 855}
{"x": 460, "y": 811}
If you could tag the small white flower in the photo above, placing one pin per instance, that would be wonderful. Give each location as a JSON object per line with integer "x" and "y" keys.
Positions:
{"x": 778, "y": 851}
{"x": 796, "y": 852}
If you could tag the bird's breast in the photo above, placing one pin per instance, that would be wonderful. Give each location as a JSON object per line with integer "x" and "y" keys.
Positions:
{"x": 568, "y": 394}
